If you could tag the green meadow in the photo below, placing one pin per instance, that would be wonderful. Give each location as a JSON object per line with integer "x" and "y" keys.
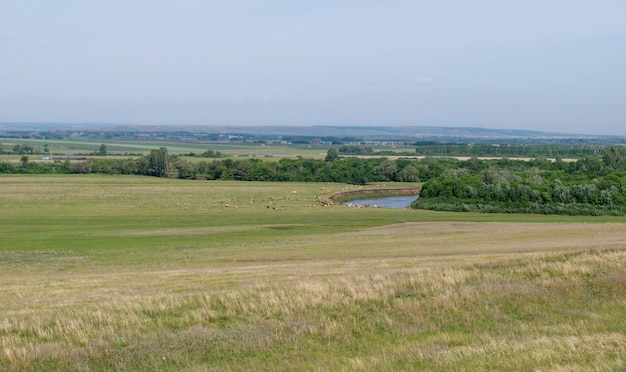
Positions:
{"x": 141, "y": 273}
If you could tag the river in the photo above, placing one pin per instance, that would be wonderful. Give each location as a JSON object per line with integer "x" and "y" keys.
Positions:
{"x": 398, "y": 202}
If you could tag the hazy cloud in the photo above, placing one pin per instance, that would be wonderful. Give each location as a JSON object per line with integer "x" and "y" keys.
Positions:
{"x": 423, "y": 80}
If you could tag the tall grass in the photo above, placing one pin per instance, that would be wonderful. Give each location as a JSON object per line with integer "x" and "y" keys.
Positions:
{"x": 115, "y": 274}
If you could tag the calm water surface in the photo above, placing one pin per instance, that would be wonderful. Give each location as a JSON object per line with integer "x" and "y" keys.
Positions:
{"x": 400, "y": 202}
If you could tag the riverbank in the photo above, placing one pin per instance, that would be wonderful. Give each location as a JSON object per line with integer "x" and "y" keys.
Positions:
{"x": 361, "y": 194}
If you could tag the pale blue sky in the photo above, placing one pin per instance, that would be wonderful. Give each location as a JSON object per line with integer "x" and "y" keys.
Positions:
{"x": 540, "y": 65}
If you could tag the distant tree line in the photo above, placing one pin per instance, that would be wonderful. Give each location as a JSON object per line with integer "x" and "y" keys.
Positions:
{"x": 431, "y": 148}
{"x": 509, "y": 150}
{"x": 157, "y": 163}
{"x": 356, "y": 150}
{"x": 210, "y": 153}
{"x": 17, "y": 149}
{"x": 331, "y": 169}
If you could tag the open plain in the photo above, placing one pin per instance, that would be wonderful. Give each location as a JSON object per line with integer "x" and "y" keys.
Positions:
{"x": 142, "y": 273}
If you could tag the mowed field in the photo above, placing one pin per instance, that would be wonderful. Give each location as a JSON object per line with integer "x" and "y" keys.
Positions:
{"x": 140, "y": 273}
{"x": 122, "y": 148}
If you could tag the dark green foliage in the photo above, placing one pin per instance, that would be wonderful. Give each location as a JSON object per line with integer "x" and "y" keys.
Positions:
{"x": 356, "y": 149}
{"x": 430, "y": 148}
{"x": 210, "y": 153}
{"x": 22, "y": 149}
{"x": 332, "y": 154}
{"x": 24, "y": 160}
{"x": 158, "y": 163}
{"x": 6, "y": 168}
{"x": 614, "y": 158}
{"x": 587, "y": 187}
{"x": 185, "y": 169}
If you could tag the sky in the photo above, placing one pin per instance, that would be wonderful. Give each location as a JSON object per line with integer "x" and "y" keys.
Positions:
{"x": 557, "y": 65}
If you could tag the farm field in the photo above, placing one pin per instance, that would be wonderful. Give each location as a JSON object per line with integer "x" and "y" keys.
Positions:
{"x": 142, "y": 273}
{"x": 119, "y": 148}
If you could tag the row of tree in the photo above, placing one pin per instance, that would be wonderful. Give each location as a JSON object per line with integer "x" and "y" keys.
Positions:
{"x": 157, "y": 163}
{"x": 331, "y": 169}
{"x": 510, "y": 150}
{"x": 429, "y": 148}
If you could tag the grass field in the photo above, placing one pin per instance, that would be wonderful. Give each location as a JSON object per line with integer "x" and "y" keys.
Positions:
{"x": 139, "y": 273}
{"x": 175, "y": 148}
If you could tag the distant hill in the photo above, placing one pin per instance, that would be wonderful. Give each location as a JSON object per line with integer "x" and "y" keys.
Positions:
{"x": 421, "y": 131}
{"x": 389, "y": 133}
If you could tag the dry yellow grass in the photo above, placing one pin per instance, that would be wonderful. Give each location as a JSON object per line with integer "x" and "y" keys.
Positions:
{"x": 76, "y": 319}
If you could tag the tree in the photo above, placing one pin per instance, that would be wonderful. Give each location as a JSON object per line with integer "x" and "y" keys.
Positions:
{"x": 7, "y": 168}
{"x": 127, "y": 166}
{"x": 386, "y": 171}
{"x": 210, "y": 153}
{"x": 185, "y": 169}
{"x": 103, "y": 149}
{"x": 614, "y": 157}
{"x": 408, "y": 174}
{"x": 158, "y": 162}
{"x": 22, "y": 149}
{"x": 332, "y": 154}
